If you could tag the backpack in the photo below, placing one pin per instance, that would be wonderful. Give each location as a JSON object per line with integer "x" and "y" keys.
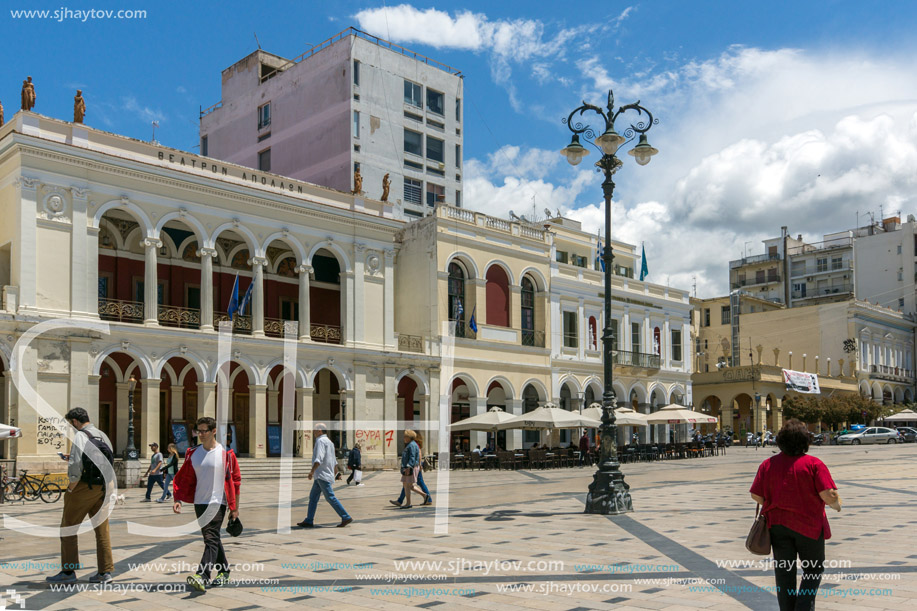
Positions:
{"x": 91, "y": 473}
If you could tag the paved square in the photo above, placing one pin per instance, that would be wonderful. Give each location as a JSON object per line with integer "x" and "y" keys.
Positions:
{"x": 515, "y": 540}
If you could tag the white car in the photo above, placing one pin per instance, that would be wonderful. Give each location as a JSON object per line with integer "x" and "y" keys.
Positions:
{"x": 7, "y": 431}
{"x": 872, "y": 434}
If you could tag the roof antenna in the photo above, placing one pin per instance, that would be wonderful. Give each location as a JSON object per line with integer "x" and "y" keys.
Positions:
{"x": 257, "y": 41}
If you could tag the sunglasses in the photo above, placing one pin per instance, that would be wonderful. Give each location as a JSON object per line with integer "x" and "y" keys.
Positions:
{"x": 203, "y": 431}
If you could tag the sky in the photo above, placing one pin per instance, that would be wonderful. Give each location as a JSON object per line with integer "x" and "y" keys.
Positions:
{"x": 801, "y": 114}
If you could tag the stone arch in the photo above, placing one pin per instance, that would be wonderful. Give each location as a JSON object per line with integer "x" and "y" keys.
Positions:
{"x": 505, "y": 383}
{"x": 877, "y": 392}
{"x": 114, "y": 367}
{"x": 419, "y": 378}
{"x": 335, "y": 250}
{"x": 511, "y": 280}
{"x": 574, "y": 384}
{"x": 621, "y": 395}
{"x": 131, "y": 208}
{"x": 254, "y": 375}
{"x": 539, "y": 387}
{"x": 244, "y": 232}
{"x": 232, "y": 254}
{"x": 469, "y": 382}
{"x": 899, "y": 394}
{"x": 273, "y": 265}
{"x": 295, "y": 246}
{"x": 193, "y": 359}
{"x": 865, "y": 390}
{"x": 197, "y": 228}
{"x": 334, "y": 369}
{"x": 677, "y": 389}
{"x": 656, "y": 388}
{"x": 144, "y": 362}
{"x": 538, "y": 279}
{"x": 641, "y": 392}
{"x": 105, "y": 224}
{"x": 467, "y": 263}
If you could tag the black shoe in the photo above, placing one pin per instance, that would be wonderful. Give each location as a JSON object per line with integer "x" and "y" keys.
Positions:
{"x": 429, "y": 500}
{"x": 345, "y": 522}
{"x": 100, "y": 578}
{"x": 395, "y": 503}
{"x": 305, "y": 524}
{"x": 62, "y": 577}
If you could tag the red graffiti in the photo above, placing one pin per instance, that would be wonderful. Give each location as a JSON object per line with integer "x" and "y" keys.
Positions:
{"x": 389, "y": 436}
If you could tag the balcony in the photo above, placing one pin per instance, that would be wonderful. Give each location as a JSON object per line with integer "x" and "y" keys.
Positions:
{"x": 463, "y": 329}
{"x": 824, "y": 292}
{"x": 325, "y": 334}
{"x": 274, "y": 327}
{"x": 121, "y": 311}
{"x": 755, "y": 281}
{"x": 184, "y": 318}
{"x": 533, "y": 338}
{"x": 752, "y": 260}
{"x": 894, "y": 374}
{"x": 240, "y": 324}
{"x": 635, "y": 359}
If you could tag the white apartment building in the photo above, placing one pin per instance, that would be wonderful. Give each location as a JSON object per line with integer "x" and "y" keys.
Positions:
{"x": 886, "y": 264}
{"x": 352, "y": 102}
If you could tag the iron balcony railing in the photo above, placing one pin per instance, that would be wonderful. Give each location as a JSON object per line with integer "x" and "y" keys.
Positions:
{"x": 830, "y": 290}
{"x": 240, "y": 324}
{"x": 894, "y": 373}
{"x": 274, "y": 327}
{"x": 636, "y": 359}
{"x": 121, "y": 311}
{"x": 326, "y": 334}
{"x": 530, "y": 337}
{"x": 174, "y": 316}
{"x": 753, "y": 281}
{"x": 753, "y": 259}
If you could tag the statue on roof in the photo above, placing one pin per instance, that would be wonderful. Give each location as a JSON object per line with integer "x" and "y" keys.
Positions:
{"x": 357, "y": 182}
{"x": 79, "y": 107}
{"x": 1, "y": 114}
{"x": 386, "y": 183}
{"x": 28, "y": 94}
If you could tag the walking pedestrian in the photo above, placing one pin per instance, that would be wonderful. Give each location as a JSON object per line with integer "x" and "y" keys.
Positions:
{"x": 793, "y": 489}
{"x": 210, "y": 479}
{"x": 355, "y": 463}
{"x": 324, "y": 465}
{"x": 410, "y": 468}
{"x": 85, "y": 496}
{"x": 154, "y": 472}
{"x": 584, "y": 449}
{"x": 418, "y": 439}
{"x": 169, "y": 469}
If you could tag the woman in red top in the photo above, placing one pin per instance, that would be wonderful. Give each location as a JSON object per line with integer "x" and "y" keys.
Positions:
{"x": 793, "y": 489}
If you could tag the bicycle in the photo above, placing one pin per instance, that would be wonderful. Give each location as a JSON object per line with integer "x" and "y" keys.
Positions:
{"x": 31, "y": 488}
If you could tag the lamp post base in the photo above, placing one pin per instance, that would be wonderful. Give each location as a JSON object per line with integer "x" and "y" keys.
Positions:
{"x": 609, "y": 494}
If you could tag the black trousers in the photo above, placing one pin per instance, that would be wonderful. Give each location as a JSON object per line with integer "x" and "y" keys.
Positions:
{"x": 214, "y": 557}
{"x": 788, "y": 545}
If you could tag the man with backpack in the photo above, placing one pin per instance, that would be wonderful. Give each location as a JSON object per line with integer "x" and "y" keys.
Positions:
{"x": 85, "y": 496}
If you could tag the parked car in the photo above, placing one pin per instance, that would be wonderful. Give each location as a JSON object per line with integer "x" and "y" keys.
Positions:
{"x": 873, "y": 434}
{"x": 908, "y": 433}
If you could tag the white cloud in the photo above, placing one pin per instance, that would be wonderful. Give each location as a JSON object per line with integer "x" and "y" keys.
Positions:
{"x": 511, "y": 160}
{"x": 144, "y": 113}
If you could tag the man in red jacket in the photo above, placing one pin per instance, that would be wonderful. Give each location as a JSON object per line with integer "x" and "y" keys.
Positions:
{"x": 210, "y": 479}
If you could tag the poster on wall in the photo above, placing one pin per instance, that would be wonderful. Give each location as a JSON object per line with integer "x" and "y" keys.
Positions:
{"x": 180, "y": 435}
{"x": 801, "y": 382}
{"x": 273, "y": 440}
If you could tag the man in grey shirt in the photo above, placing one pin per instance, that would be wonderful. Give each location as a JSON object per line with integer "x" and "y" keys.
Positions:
{"x": 154, "y": 473}
{"x": 324, "y": 465}
{"x": 83, "y": 499}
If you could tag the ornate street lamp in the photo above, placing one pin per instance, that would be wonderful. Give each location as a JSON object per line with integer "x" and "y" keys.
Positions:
{"x": 130, "y": 452}
{"x": 608, "y": 492}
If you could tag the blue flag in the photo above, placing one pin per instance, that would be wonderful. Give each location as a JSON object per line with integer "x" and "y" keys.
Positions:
{"x": 598, "y": 255}
{"x": 246, "y": 298}
{"x": 644, "y": 270}
{"x": 234, "y": 299}
{"x": 473, "y": 323}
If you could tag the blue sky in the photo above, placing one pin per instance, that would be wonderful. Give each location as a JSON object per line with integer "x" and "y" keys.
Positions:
{"x": 799, "y": 114}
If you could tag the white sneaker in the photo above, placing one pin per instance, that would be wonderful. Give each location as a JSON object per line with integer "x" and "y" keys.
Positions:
{"x": 359, "y": 484}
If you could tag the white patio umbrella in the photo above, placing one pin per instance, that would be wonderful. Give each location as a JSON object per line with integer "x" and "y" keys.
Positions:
{"x": 624, "y": 416}
{"x": 487, "y": 421}
{"x": 8, "y": 432}
{"x": 549, "y": 417}
{"x": 679, "y": 414}
{"x": 907, "y": 415}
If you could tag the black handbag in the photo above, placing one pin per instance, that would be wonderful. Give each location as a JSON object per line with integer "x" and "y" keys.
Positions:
{"x": 758, "y": 540}
{"x": 234, "y": 527}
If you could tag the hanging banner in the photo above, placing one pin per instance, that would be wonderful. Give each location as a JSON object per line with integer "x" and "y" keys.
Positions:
{"x": 801, "y": 382}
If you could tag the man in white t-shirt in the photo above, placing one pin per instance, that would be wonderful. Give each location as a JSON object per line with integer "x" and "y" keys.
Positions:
{"x": 324, "y": 465}
{"x": 210, "y": 479}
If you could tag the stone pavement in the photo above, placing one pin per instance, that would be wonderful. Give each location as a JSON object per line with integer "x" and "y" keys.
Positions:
{"x": 515, "y": 540}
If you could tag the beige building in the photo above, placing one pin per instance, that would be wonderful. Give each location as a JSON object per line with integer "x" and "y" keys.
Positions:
{"x": 853, "y": 346}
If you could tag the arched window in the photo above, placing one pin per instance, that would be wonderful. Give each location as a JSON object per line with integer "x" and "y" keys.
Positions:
{"x": 497, "y": 297}
{"x": 528, "y": 312}
{"x": 457, "y": 297}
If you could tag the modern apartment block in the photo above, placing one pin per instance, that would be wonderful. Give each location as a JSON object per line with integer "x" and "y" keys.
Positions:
{"x": 886, "y": 265}
{"x": 352, "y": 102}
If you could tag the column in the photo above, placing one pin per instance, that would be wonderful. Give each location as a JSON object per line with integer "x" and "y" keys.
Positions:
{"x": 624, "y": 342}
{"x": 480, "y": 299}
{"x": 207, "y": 255}
{"x": 388, "y": 305}
{"x": 304, "y": 272}
{"x": 666, "y": 353}
{"x": 257, "y": 421}
{"x": 778, "y": 415}
{"x": 391, "y": 413}
{"x": 149, "y": 420}
{"x": 121, "y": 399}
{"x": 177, "y": 398}
{"x": 581, "y": 329}
{"x": 478, "y": 406}
{"x": 515, "y": 307}
{"x": 760, "y": 416}
{"x": 258, "y": 265}
{"x": 647, "y": 344}
{"x": 726, "y": 417}
{"x": 151, "y": 282}
{"x": 541, "y": 316}
{"x": 273, "y": 406}
{"x": 206, "y": 400}
{"x": 304, "y": 415}
{"x": 80, "y": 262}
{"x": 92, "y": 272}
{"x": 359, "y": 297}
{"x": 347, "y": 308}
{"x": 347, "y": 398}
{"x": 24, "y": 257}
{"x": 514, "y": 436}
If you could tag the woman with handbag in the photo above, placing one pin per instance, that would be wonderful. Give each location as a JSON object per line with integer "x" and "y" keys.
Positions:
{"x": 410, "y": 468}
{"x": 793, "y": 489}
{"x": 170, "y": 468}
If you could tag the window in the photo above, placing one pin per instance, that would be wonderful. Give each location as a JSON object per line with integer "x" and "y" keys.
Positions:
{"x": 899, "y": 249}
{"x": 706, "y": 321}
{"x": 528, "y": 308}
{"x": 614, "y": 334}
{"x": 204, "y": 148}
{"x": 456, "y": 291}
{"x": 560, "y": 256}
{"x": 413, "y": 117}
{"x": 458, "y": 110}
{"x": 772, "y": 275}
{"x": 435, "y": 149}
{"x": 356, "y": 124}
{"x": 570, "y": 331}
{"x": 635, "y": 336}
{"x": 435, "y": 101}
{"x": 356, "y": 72}
{"x": 436, "y": 125}
{"x": 458, "y": 199}
{"x": 771, "y": 251}
{"x": 264, "y": 115}
{"x": 900, "y": 302}
{"x": 900, "y": 275}
{"x": 458, "y": 155}
{"x": 799, "y": 290}
{"x": 821, "y": 265}
{"x": 264, "y": 160}
{"x": 289, "y": 309}
{"x": 676, "y": 345}
{"x": 413, "y": 164}
{"x": 436, "y": 194}
{"x": 799, "y": 268}
{"x": 436, "y": 171}
{"x": 759, "y": 276}
{"x": 725, "y": 315}
{"x": 413, "y": 142}
{"x": 412, "y": 94}
{"x": 412, "y": 191}
{"x": 838, "y": 262}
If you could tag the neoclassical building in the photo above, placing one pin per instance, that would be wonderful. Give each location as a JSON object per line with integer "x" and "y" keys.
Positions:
{"x": 119, "y": 261}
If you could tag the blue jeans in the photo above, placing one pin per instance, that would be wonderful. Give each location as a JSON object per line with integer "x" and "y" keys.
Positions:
{"x": 153, "y": 478}
{"x": 165, "y": 486}
{"x": 420, "y": 483}
{"x": 320, "y": 487}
